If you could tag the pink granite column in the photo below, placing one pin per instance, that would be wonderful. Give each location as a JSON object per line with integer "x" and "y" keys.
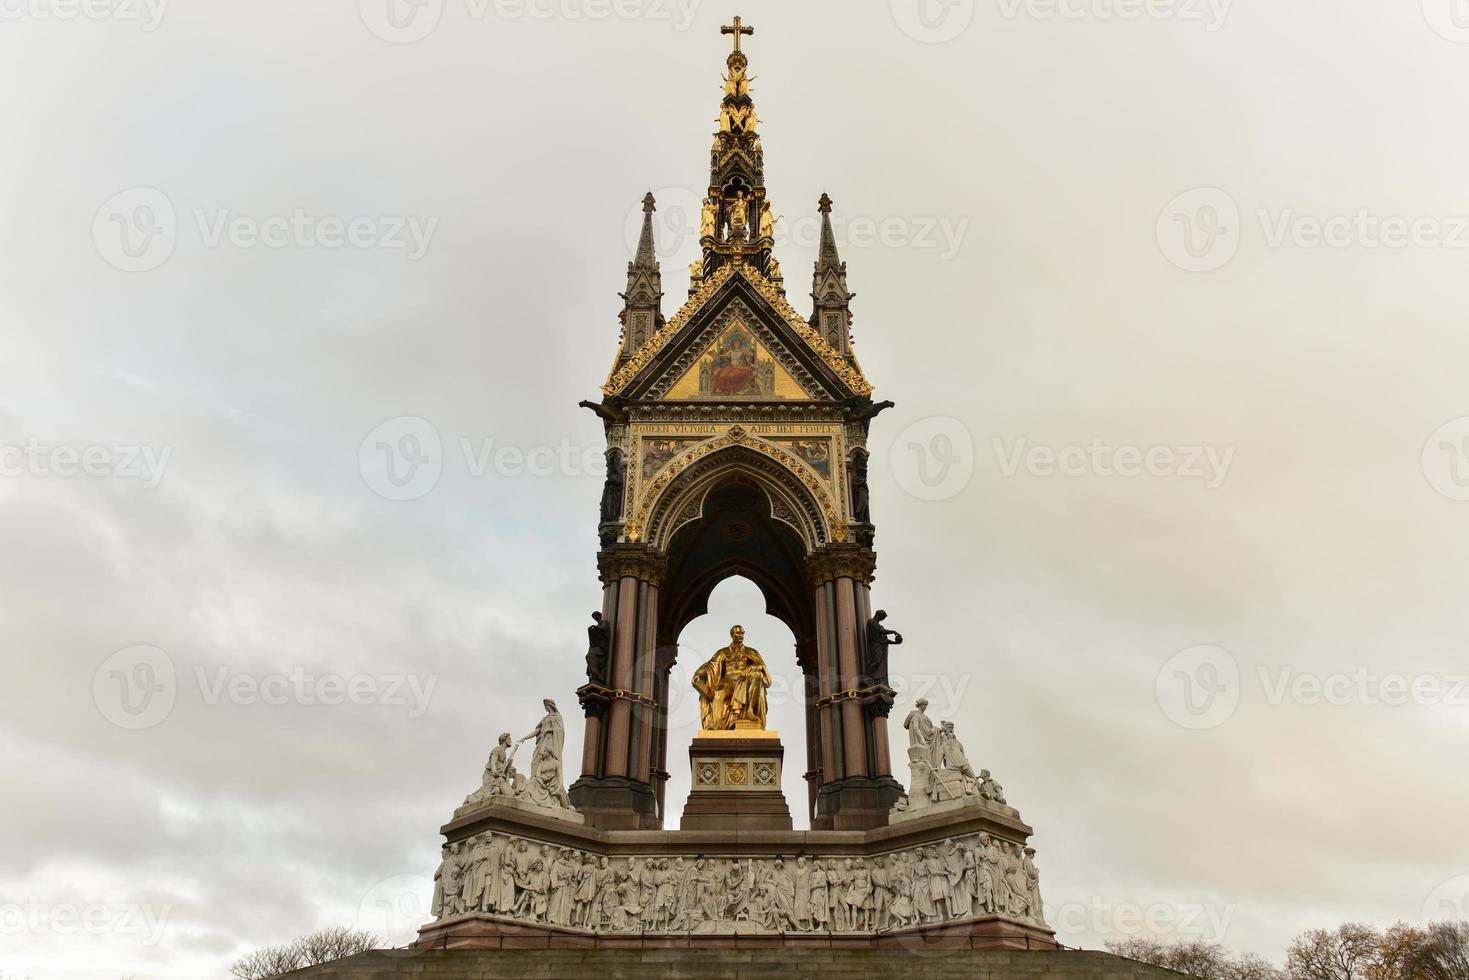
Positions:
{"x": 849, "y": 659}
{"x": 624, "y": 650}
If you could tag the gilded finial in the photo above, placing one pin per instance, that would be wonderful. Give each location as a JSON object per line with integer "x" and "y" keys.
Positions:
{"x": 825, "y": 204}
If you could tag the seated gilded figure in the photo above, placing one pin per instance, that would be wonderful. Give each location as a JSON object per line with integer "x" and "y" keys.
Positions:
{"x": 732, "y": 687}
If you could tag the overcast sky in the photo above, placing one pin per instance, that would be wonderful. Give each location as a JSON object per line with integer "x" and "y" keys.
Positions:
{"x": 1220, "y": 248}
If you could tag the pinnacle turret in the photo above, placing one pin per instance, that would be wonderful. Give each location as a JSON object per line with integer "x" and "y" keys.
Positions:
{"x": 832, "y": 311}
{"x": 642, "y": 312}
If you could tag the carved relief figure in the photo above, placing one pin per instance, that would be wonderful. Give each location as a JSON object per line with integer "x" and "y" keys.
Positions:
{"x": 920, "y": 747}
{"x": 546, "y": 787}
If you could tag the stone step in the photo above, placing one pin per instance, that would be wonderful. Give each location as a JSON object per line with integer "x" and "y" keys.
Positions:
{"x": 730, "y": 964}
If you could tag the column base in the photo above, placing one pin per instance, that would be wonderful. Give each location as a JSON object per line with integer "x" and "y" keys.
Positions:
{"x": 857, "y": 802}
{"x": 616, "y": 803}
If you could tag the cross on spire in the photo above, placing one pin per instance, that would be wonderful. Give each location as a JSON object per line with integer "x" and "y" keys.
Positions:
{"x": 737, "y": 29}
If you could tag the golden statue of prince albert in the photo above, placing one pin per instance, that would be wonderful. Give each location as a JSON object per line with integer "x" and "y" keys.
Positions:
{"x": 732, "y": 687}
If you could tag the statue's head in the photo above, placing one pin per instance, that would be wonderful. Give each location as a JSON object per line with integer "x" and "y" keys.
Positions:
{"x": 549, "y": 705}
{"x": 880, "y": 615}
{"x": 505, "y": 738}
{"x": 1030, "y": 852}
{"x": 922, "y": 703}
{"x": 737, "y": 634}
{"x": 984, "y": 774}
{"x": 597, "y": 616}
{"x": 949, "y": 727}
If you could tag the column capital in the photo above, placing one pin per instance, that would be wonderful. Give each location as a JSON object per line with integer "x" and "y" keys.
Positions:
{"x": 637, "y": 561}
{"x": 834, "y": 561}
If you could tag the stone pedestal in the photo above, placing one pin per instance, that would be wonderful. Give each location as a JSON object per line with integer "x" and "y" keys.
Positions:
{"x": 736, "y": 782}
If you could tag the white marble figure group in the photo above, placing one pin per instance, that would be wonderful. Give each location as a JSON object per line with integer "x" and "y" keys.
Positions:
{"x": 545, "y": 786}
{"x": 939, "y": 771}
{"x": 544, "y": 884}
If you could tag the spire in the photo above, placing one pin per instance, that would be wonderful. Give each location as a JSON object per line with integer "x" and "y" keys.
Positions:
{"x": 832, "y": 312}
{"x": 737, "y": 223}
{"x": 642, "y": 312}
{"x": 646, "y": 258}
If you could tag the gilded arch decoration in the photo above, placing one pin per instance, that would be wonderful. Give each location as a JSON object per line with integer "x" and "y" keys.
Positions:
{"x": 798, "y": 495}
